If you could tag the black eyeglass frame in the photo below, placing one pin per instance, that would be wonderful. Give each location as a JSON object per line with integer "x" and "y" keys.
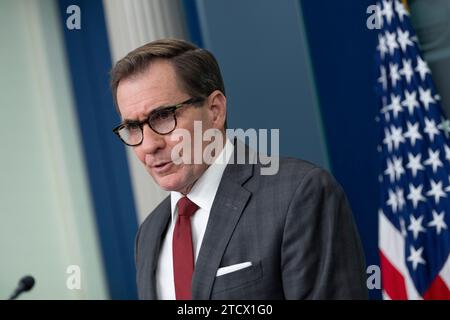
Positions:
{"x": 171, "y": 109}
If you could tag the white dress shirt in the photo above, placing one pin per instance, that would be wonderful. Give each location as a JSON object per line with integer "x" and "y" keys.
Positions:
{"x": 202, "y": 194}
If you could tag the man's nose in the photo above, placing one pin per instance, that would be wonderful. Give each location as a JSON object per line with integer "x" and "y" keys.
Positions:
{"x": 152, "y": 141}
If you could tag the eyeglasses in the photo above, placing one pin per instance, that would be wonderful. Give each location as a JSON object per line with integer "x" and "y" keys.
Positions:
{"x": 162, "y": 120}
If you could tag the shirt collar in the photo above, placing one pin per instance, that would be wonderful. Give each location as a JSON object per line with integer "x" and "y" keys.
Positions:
{"x": 204, "y": 190}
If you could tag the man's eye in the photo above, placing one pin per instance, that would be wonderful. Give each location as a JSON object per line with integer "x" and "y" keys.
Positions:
{"x": 164, "y": 114}
{"x": 132, "y": 127}
{"x": 161, "y": 115}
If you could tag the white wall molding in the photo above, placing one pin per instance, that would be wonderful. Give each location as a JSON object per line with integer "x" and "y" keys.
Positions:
{"x": 131, "y": 24}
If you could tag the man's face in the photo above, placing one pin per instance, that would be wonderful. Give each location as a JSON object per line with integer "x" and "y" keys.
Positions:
{"x": 138, "y": 96}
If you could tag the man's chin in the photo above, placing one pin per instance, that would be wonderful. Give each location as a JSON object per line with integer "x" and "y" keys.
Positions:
{"x": 168, "y": 183}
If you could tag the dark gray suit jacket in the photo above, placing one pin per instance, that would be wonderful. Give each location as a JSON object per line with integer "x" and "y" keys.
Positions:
{"x": 296, "y": 228}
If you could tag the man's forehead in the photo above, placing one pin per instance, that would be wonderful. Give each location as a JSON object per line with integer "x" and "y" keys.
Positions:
{"x": 146, "y": 91}
{"x": 159, "y": 75}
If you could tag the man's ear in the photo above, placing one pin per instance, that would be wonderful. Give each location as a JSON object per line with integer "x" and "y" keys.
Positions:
{"x": 217, "y": 104}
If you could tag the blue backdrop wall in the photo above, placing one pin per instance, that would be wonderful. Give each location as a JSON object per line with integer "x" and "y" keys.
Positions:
{"x": 261, "y": 48}
{"x": 307, "y": 68}
{"x": 343, "y": 57}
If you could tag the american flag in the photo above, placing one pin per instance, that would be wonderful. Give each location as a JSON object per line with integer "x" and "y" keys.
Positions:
{"x": 414, "y": 214}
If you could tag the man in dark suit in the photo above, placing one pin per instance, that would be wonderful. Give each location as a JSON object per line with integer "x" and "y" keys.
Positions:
{"x": 226, "y": 231}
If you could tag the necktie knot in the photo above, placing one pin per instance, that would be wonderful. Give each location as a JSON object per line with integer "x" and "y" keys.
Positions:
{"x": 186, "y": 207}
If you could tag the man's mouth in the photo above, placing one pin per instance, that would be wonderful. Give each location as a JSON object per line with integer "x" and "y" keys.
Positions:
{"x": 162, "y": 167}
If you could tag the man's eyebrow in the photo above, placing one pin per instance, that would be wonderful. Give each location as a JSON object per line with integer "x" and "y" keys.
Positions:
{"x": 160, "y": 108}
{"x": 130, "y": 121}
{"x": 134, "y": 121}
{"x": 156, "y": 110}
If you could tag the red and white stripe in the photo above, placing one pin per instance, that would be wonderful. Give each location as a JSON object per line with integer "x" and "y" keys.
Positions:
{"x": 397, "y": 283}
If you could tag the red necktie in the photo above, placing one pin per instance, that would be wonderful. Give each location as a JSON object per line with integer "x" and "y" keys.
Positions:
{"x": 183, "y": 253}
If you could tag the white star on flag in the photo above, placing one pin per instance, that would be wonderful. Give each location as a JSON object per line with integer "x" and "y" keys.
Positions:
{"x": 438, "y": 222}
{"x": 385, "y": 109}
{"x": 400, "y": 198}
{"x": 413, "y": 132}
{"x": 415, "y": 257}
{"x": 422, "y": 68}
{"x": 391, "y": 42}
{"x": 394, "y": 75}
{"x": 395, "y": 105}
{"x": 414, "y": 163}
{"x": 415, "y": 194}
{"x": 383, "y": 77}
{"x": 388, "y": 11}
{"x": 397, "y": 136}
{"x": 404, "y": 39}
{"x": 431, "y": 129}
{"x": 407, "y": 70}
{"x": 445, "y": 126}
{"x": 410, "y": 101}
{"x": 436, "y": 191}
{"x": 390, "y": 170}
{"x": 392, "y": 201}
{"x": 416, "y": 226}
{"x": 433, "y": 160}
{"x": 425, "y": 97}
{"x": 382, "y": 47}
{"x": 398, "y": 167}
{"x": 387, "y": 139}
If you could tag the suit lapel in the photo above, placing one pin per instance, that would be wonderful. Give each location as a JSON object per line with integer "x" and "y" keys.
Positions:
{"x": 227, "y": 208}
{"x": 163, "y": 218}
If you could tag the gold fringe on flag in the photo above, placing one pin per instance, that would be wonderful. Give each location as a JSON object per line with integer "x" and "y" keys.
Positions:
{"x": 405, "y": 3}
